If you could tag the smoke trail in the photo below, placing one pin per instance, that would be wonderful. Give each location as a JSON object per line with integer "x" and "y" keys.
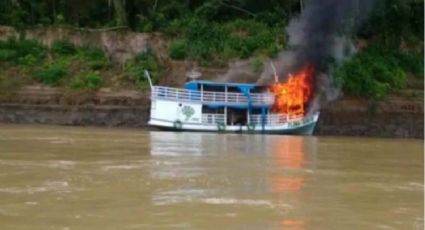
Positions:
{"x": 320, "y": 36}
{"x": 240, "y": 71}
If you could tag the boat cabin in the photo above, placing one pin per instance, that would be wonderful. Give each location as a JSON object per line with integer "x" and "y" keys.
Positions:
{"x": 231, "y": 103}
{"x": 221, "y": 106}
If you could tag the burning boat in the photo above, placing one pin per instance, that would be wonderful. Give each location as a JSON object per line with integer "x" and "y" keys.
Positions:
{"x": 279, "y": 108}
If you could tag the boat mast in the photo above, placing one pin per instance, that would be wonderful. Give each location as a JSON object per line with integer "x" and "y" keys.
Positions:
{"x": 202, "y": 93}
{"x": 148, "y": 76}
{"x": 276, "y": 78}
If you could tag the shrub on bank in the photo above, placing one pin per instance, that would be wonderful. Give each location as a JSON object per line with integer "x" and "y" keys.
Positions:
{"x": 204, "y": 41}
{"x": 257, "y": 65}
{"x": 31, "y": 55}
{"x": 373, "y": 73}
{"x": 89, "y": 81}
{"x": 249, "y": 36}
{"x": 178, "y": 49}
{"x": 93, "y": 56}
{"x": 21, "y": 51}
{"x": 63, "y": 47}
{"x": 51, "y": 74}
{"x": 412, "y": 62}
{"x": 146, "y": 60}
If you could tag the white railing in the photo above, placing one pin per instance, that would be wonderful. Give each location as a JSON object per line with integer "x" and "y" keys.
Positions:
{"x": 210, "y": 97}
{"x": 270, "y": 119}
{"x": 274, "y": 119}
{"x": 213, "y": 119}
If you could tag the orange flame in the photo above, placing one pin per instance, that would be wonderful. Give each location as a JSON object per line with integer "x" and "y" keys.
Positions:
{"x": 293, "y": 96}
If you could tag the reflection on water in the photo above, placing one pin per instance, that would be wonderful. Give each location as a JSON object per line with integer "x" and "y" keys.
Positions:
{"x": 79, "y": 178}
{"x": 289, "y": 153}
{"x": 285, "y": 172}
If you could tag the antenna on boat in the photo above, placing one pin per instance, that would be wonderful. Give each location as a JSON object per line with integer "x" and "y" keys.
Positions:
{"x": 148, "y": 76}
{"x": 276, "y": 78}
{"x": 193, "y": 74}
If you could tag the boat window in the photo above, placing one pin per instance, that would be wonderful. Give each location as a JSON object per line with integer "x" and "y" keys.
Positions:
{"x": 215, "y": 88}
{"x": 232, "y": 89}
{"x": 255, "y": 111}
{"x": 210, "y": 110}
{"x": 259, "y": 89}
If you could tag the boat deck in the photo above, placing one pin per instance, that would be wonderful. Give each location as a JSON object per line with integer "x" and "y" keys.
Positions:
{"x": 210, "y": 97}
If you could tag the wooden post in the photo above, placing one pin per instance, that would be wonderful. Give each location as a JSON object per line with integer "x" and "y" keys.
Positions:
{"x": 247, "y": 117}
{"x": 225, "y": 105}
{"x": 202, "y": 93}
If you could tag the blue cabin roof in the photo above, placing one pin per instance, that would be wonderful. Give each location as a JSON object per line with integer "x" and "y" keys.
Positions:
{"x": 194, "y": 85}
{"x": 244, "y": 88}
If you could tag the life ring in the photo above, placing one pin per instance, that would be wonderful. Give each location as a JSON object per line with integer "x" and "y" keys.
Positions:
{"x": 177, "y": 124}
{"x": 250, "y": 127}
{"x": 221, "y": 126}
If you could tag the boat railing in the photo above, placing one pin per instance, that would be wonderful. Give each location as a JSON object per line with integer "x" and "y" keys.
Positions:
{"x": 213, "y": 119}
{"x": 270, "y": 119}
{"x": 211, "y": 97}
{"x": 274, "y": 119}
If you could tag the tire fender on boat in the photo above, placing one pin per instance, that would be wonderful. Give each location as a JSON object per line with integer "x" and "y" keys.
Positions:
{"x": 221, "y": 126}
{"x": 250, "y": 127}
{"x": 177, "y": 124}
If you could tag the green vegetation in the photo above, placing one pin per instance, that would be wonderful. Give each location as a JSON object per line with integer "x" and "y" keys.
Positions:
{"x": 375, "y": 72}
{"x": 51, "y": 74}
{"x": 371, "y": 74}
{"x": 69, "y": 66}
{"x": 257, "y": 65}
{"x": 394, "y": 51}
{"x": 90, "y": 81}
{"x": 178, "y": 49}
{"x": 210, "y": 32}
{"x": 204, "y": 41}
{"x": 93, "y": 56}
{"x": 21, "y": 51}
{"x": 63, "y": 47}
{"x": 141, "y": 15}
{"x": 65, "y": 61}
{"x": 144, "y": 61}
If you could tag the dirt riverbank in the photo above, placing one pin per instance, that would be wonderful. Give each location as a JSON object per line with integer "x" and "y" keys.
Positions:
{"x": 393, "y": 117}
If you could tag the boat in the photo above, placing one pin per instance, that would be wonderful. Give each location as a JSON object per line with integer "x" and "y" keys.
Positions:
{"x": 210, "y": 106}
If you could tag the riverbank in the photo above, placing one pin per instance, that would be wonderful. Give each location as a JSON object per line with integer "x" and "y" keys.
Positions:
{"x": 393, "y": 117}
{"x": 98, "y": 81}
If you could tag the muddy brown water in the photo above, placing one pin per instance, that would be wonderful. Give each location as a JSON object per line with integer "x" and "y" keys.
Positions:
{"x": 95, "y": 178}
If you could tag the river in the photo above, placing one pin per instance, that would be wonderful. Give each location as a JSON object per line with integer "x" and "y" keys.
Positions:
{"x": 98, "y": 178}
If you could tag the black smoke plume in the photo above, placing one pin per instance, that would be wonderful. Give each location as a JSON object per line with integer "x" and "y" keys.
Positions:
{"x": 320, "y": 36}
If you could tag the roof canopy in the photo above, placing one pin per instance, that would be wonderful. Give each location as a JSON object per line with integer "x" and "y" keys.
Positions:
{"x": 195, "y": 84}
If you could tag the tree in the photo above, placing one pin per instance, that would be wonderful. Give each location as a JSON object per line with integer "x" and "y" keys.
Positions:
{"x": 120, "y": 13}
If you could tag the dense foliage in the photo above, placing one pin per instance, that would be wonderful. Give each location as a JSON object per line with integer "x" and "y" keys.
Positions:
{"x": 144, "y": 61}
{"x": 371, "y": 74}
{"x": 140, "y": 15}
{"x": 21, "y": 51}
{"x": 198, "y": 39}
{"x": 211, "y": 32}
{"x": 394, "y": 51}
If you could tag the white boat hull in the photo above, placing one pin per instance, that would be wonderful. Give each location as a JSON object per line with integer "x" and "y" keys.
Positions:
{"x": 301, "y": 128}
{"x": 186, "y": 110}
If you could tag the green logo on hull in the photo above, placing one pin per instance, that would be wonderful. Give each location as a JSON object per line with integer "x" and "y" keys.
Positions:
{"x": 188, "y": 111}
